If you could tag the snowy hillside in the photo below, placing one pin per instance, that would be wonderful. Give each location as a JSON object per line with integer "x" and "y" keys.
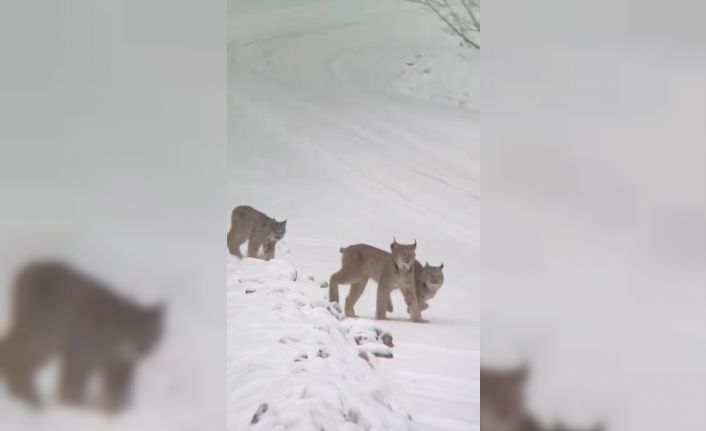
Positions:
{"x": 292, "y": 363}
{"x": 326, "y": 131}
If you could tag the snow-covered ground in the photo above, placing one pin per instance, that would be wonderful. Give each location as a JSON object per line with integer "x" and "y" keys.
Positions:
{"x": 327, "y": 131}
{"x": 292, "y": 362}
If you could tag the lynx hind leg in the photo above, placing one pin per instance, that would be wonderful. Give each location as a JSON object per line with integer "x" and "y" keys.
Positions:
{"x": 343, "y": 276}
{"x": 117, "y": 387}
{"x": 390, "y": 308}
{"x": 19, "y": 366}
{"x": 20, "y": 379}
{"x": 356, "y": 291}
{"x": 234, "y": 243}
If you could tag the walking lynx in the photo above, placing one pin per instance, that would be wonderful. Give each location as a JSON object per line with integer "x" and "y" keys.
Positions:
{"x": 258, "y": 229}
{"x": 391, "y": 271}
{"x": 427, "y": 280}
{"x": 59, "y": 312}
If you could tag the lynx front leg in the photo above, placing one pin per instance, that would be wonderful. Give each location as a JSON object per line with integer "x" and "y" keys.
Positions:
{"x": 73, "y": 379}
{"x": 117, "y": 386}
{"x": 268, "y": 250}
{"x": 423, "y": 305}
{"x": 410, "y": 297}
{"x": 383, "y": 300}
{"x": 253, "y": 247}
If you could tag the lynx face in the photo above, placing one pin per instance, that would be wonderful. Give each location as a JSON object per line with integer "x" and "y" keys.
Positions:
{"x": 404, "y": 255}
{"x": 432, "y": 278}
{"x": 277, "y": 230}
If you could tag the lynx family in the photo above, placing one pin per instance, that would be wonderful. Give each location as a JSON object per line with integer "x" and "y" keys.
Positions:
{"x": 258, "y": 229}
{"x": 59, "y": 312}
{"x": 394, "y": 270}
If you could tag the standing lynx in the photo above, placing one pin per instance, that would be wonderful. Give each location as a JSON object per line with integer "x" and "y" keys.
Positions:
{"x": 391, "y": 271}
{"x": 59, "y": 312}
{"x": 427, "y": 280}
{"x": 258, "y": 229}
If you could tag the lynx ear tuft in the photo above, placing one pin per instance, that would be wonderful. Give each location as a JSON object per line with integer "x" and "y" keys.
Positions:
{"x": 415, "y": 243}
{"x": 441, "y": 266}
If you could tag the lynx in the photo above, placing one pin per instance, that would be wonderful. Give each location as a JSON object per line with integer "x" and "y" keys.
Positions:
{"x": 258, "y": 229}
{"x": 427, "y": 280}
{"x": 391, "y": 271}
{"x": 59, "y": 312}
{"x": 502, "y": 400}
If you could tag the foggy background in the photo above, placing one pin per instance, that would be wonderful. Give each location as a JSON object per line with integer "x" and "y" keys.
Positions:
{"x": 594, "y": 210}
{"x": 112, "y": 155}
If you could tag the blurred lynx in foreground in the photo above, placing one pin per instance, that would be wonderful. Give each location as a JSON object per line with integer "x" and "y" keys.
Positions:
{"x": 391, "y": 271}
{"x": 258, "y": 229}
{"x": 503, "y": 406}
{"x": 59, "y": 312}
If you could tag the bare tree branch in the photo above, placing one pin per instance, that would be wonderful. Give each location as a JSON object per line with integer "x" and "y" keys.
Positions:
{"x": 459, "y": 16}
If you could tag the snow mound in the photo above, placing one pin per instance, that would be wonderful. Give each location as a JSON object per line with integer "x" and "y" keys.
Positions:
{"x": 295, "y": 364}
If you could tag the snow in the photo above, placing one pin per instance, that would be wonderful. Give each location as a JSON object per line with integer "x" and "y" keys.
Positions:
{"x": 326, "y": 132}
{"x": 293, "y": 364}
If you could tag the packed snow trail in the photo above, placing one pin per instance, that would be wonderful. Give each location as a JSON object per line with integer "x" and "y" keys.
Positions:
{"x": 357, "y": 121}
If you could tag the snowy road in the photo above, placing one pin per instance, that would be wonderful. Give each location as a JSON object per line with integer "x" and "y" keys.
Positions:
{"x": 356, "y": 120}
